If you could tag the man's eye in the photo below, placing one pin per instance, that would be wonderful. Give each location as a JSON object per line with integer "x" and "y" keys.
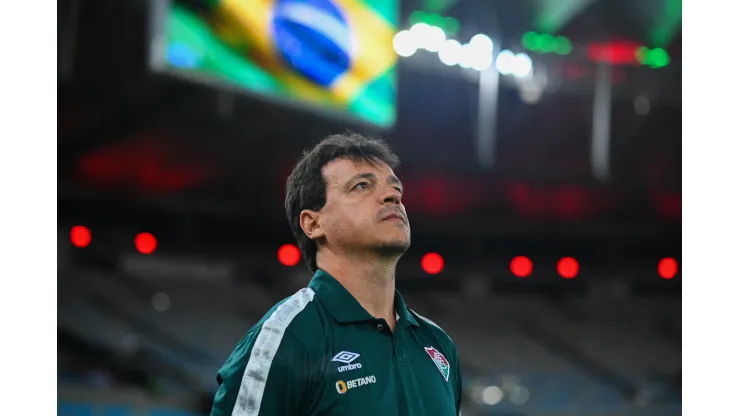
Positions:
{"x": 362, "y": 185}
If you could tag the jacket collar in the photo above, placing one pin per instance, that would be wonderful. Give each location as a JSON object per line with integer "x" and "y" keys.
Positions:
{"x": 345, "y": 308}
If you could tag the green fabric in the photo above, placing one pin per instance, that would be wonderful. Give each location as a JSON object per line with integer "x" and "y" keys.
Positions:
{"x": 399, "y": 373}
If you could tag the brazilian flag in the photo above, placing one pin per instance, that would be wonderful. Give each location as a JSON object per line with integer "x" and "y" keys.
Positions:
{"x": 334, "y": 54}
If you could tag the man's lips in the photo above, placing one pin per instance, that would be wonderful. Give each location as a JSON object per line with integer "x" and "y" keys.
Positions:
{"x": 394, "y": 215}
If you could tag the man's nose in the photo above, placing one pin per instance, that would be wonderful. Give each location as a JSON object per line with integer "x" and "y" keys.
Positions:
{"x": 392, "y": 196}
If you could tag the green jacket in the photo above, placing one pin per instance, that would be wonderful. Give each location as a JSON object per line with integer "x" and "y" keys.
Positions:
{"x": 319, "y": 352}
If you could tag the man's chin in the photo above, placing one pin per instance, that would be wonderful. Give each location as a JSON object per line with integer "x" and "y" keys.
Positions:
{"x": 395, "y": 247}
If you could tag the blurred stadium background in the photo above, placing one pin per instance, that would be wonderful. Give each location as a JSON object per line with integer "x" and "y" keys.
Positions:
{"x": 541, "y": 149}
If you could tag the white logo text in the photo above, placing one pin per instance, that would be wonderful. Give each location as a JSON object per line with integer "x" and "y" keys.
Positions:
{"x": 343, "y": 386}
{"x": 349, "y": 367}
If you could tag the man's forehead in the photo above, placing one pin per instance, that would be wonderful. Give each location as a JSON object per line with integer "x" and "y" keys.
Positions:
{"x": 343, "y": 169}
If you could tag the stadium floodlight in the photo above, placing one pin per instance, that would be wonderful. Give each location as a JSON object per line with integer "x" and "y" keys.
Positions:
{"x": 434, "y": 39}
{"x": 466, "y": 57}
{"x": 659, "y": 58}
{"x": 473, "y": 58}
{"x": 518, "y": 65}
{"x": 481, "y": 52}
{"x": 546, "y": 43}
{"x": 654, "y": 58}
{"x": 492, "y": 395}
{"x": 522, "y": 65}
{"x": 404, "y": 43}
{"x": 482, "y": 44}
{"x": 564, "y": 46}
{"x": 505, "y": 62}
{"x": 419, "y": 33}
{"x": 451, "y": 52}
{"x": 481, "y": 61}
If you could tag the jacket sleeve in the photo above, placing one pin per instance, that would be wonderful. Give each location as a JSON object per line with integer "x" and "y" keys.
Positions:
{"x": 264, "y": 376}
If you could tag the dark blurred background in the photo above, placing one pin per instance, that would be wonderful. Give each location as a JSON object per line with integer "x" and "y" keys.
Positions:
{"x": 543, "y": 185}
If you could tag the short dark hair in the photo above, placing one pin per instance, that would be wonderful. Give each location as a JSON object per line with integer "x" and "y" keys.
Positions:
{"x": 306, "y": 187}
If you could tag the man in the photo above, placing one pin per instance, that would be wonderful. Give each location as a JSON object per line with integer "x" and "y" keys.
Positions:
{"x": 347, "y": 344}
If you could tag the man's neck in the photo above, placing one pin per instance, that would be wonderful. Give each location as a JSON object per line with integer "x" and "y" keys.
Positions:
{"x": 370, "y": 280}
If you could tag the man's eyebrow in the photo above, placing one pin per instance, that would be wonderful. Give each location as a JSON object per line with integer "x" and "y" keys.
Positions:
{"x": 395, "y": 181}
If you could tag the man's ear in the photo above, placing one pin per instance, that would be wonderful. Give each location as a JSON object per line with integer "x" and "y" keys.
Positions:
{"x": 309, "y": 221}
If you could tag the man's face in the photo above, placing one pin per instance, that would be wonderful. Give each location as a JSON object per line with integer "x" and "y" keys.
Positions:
{"x": 363, "y": 208}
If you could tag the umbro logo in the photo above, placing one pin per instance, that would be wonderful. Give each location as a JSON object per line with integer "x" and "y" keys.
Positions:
{"x": 347, "y": 357}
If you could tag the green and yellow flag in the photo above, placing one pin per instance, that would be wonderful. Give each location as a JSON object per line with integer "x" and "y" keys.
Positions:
{"x": 333, "y": 54}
